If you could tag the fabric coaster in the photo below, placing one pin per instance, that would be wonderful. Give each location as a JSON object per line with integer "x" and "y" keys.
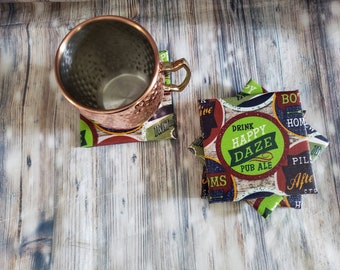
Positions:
{"x": 297, "y": 131}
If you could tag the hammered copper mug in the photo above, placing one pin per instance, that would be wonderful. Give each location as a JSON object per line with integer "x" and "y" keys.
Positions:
{"x": 108, "y": 67}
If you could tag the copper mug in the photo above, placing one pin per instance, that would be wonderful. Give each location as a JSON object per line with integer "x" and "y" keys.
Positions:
{"x": 108, "y": 67}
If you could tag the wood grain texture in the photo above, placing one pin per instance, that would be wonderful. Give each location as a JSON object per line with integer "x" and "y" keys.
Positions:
{"x": 138, "y": 206}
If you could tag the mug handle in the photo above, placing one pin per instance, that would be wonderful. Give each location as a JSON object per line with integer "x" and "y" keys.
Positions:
{"x": 175, "y": 66}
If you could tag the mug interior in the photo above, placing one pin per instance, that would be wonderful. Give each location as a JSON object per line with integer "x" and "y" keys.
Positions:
{"x": 106, "y": 64}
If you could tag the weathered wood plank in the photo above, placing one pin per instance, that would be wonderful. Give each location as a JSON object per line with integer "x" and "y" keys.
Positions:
{"x": 138, "y": 206}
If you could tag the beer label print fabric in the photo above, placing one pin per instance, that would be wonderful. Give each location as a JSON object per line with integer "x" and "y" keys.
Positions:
{"x": 256, "y": 145}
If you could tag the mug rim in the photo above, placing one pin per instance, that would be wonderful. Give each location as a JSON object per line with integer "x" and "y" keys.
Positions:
{"x": 76, "y": 29}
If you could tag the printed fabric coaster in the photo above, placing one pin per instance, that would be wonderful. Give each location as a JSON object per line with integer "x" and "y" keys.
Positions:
{"x": 317, "y": 144}
{"x": 257, "y": 125}
{"x": 161, "y": 126}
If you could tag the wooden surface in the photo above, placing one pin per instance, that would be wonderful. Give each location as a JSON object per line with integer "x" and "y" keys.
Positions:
{"x": 138, "y": 206}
